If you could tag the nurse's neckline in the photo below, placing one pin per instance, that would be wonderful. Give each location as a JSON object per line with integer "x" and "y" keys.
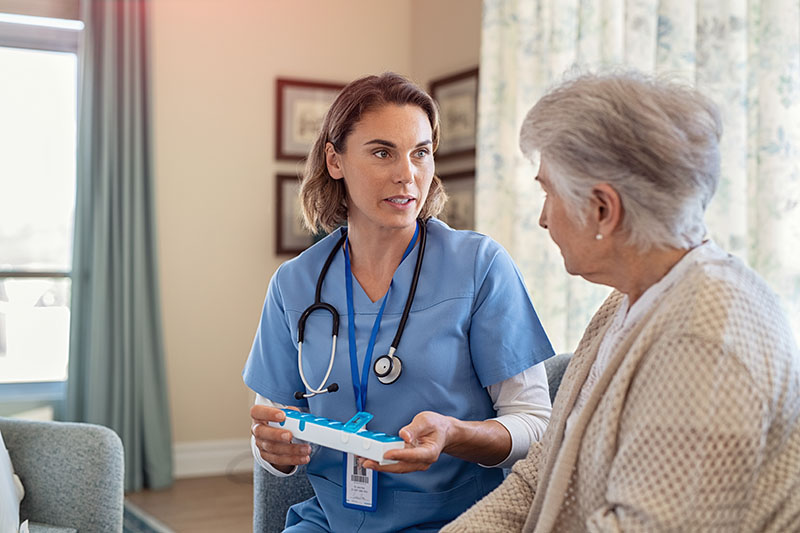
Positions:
{"x": 376, "y": 284}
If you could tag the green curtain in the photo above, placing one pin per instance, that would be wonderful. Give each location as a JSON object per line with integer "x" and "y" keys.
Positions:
{"x": 116, "y": 361}
{"x": 745, "y": 55}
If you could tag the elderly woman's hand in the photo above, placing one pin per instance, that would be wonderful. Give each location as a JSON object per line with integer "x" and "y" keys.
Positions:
{"x": 275, "y": 444}
{"x": 426, "y": 437}
{"x": 430, "y": 434}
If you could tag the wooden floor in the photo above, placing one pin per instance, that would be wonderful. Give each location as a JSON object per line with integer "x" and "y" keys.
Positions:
{"x": 202, "y": 504}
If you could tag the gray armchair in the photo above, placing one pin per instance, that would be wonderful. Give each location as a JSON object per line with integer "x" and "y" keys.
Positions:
{"x": 555, "y": 367}
{"x": 73, "y": 475}
{"x": 272, "y": 496}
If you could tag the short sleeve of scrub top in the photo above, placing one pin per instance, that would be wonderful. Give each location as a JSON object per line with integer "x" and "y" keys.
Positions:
{"x": 505, "y": 336}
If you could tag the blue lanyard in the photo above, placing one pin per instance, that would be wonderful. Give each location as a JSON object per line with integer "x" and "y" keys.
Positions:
{"x": 360, "y": 390}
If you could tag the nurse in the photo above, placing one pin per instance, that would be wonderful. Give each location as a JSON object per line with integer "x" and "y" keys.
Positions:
{"x": 471, "y": 393}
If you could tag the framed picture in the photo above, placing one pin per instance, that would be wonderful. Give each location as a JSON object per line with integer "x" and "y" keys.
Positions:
{"x": 291, "y": 237}
{"x": 301, "y": 106}
{"x": 457, "y": 96}
{"x": 459, "y": 211}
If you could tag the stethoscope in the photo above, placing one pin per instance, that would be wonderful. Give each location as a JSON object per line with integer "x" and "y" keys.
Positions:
{"x": 387, "y": 367}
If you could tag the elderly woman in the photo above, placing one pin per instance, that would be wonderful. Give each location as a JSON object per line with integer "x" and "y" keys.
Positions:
{"x": 680, "y": 410}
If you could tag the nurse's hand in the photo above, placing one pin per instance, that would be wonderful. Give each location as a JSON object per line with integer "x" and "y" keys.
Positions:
{"x": 426, "y": 437}
{"x": 275, "y": 444}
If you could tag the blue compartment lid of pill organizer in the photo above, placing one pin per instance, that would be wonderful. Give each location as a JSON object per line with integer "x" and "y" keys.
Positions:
{"x": 308, "y": 418}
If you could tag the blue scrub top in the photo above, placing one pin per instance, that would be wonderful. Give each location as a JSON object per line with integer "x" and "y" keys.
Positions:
{"x": 471, "y": 325}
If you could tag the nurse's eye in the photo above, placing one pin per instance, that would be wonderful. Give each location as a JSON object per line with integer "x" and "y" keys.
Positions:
{"x": 381, "y": 154}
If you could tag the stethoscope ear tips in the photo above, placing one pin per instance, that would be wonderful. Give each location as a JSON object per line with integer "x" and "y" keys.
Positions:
{"x": 388, "y": 368}
{"x": 299, "y": 395}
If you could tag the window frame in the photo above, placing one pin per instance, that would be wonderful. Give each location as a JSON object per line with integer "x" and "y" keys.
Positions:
{"x": 34, "y": 37}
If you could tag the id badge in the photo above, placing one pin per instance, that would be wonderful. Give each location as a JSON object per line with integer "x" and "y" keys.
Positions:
{"x": 360, "y": 486}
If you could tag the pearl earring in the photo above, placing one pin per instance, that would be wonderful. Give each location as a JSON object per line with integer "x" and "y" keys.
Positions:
{"x": 599, "y": 237}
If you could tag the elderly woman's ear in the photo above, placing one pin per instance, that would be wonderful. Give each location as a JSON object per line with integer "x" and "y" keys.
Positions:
{"x": 606, "y": 211}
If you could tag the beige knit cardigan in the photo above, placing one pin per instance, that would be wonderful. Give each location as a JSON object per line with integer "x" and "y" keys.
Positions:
{"x": 693, "y": 426}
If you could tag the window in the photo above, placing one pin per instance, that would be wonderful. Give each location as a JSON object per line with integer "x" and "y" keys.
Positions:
{"x": 38, "y": 106}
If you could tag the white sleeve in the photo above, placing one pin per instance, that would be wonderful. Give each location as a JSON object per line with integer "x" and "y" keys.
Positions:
{"x": 260, "y": 400}
{"x": 522, "y": 403}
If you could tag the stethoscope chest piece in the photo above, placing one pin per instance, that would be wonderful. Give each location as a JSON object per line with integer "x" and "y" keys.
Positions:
{"x": 388, "y": 368}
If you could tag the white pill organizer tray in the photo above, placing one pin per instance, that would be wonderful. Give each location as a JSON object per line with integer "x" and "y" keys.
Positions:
{"x": 346, "y": 437}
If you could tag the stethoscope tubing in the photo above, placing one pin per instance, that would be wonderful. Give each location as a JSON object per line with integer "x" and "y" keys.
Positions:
{"x": 423, "y": 237}
{"x": 319, "y": 305}
{"x": 321, "y": 387}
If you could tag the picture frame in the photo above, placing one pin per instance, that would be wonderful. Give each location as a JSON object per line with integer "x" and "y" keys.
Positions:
{"x": 457, "y": 97}
{"x": 300, "y": 108}
{"x": 459, "y": 211}
{"x": 291, "y": 237}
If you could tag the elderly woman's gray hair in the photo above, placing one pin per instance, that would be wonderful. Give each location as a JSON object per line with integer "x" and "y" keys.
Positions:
{"x": 656, "y": 142}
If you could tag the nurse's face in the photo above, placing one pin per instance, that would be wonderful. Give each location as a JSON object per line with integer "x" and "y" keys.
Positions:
{"x": 387, "y": 166}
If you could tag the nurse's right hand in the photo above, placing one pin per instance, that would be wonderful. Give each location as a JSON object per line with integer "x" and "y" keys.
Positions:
{"x": 275, "y": 444}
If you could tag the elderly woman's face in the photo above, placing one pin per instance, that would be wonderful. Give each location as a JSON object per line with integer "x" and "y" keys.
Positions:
{"x": 573, "y": 239}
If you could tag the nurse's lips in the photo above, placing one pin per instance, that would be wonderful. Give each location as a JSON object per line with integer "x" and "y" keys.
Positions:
{"x": 400, "y": 201}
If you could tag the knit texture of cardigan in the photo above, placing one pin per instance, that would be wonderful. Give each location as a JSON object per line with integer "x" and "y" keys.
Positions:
{"x": 694, "y": 425}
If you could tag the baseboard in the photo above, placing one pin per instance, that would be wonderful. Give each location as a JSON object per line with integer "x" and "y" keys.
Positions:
{"x": 212, "y": 457}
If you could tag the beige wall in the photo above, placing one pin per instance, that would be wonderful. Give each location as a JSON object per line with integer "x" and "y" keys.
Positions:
{"x": 445, "y": 37}
{"x": 214, "y": 69}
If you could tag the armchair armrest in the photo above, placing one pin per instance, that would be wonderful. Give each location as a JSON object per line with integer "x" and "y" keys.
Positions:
{"x": 555, "y": 367}
{"x": 73, "y": 474}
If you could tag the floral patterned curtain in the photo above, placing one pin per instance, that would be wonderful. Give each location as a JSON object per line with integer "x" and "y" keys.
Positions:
{"x": 743, "y": 54}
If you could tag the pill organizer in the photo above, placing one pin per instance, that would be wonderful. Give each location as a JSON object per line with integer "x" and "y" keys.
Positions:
{"x": 346, "y": 437}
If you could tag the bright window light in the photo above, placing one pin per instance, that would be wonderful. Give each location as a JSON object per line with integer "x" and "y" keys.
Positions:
{"x": 38, "y": 106}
